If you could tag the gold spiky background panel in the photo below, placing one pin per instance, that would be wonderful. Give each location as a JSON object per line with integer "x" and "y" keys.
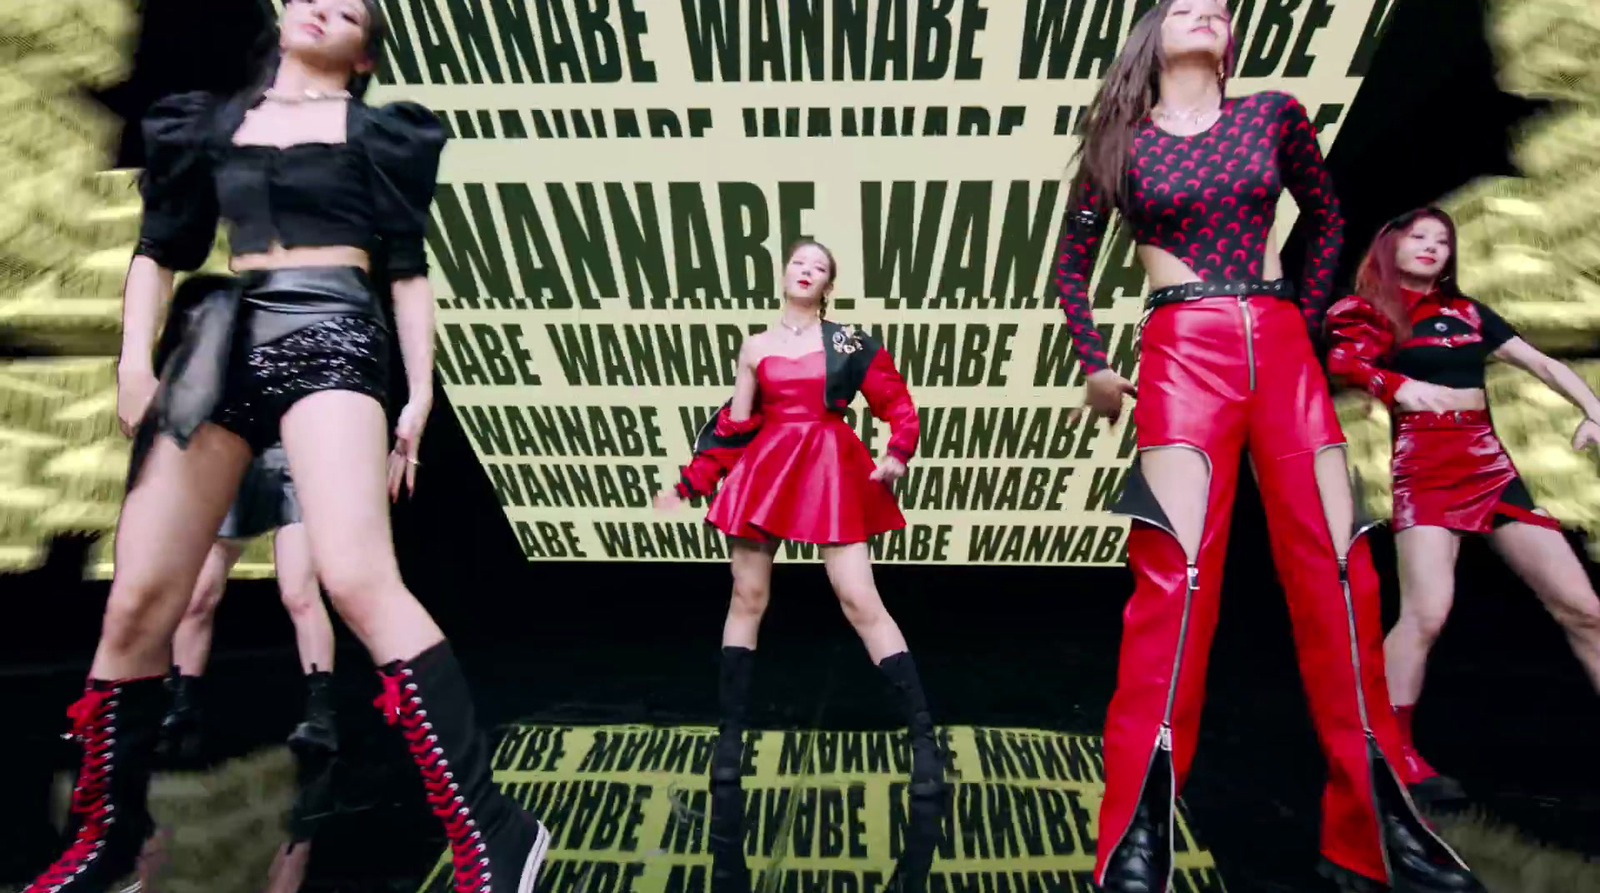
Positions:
{"x": 67, "y": 227}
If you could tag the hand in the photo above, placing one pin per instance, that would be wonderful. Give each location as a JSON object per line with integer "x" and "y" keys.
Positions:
{"x": 1104, "y": 392}
{"x": 889, "y": 470}
{"x": 135, "y": 390}
{"x": 668, "y": 500}
{"x": 1420, "y": 396}
{"x": 407, "y": 443}
{"x": 1587, "y": 435}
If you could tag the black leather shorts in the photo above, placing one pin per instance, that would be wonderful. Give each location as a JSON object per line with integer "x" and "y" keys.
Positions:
{"x": 240, "y": 350}
{"x": 266, "y": 499}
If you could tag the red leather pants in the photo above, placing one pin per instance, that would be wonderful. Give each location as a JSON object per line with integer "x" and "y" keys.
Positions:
{"x": 1220, "y": 376}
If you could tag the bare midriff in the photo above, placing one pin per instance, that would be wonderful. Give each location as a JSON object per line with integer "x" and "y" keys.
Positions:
{"x": 279, "y": 258}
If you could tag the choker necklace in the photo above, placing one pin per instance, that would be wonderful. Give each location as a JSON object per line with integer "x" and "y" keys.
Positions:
{"x": 1192, "y": 118}
{"x": 304, "y": 95}
{"x": 798, "y": 330}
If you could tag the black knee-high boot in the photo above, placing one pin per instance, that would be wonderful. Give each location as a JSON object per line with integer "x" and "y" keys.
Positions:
{"x": 495, "y": 846}
{"x": 733, "y": 700}
{"x": 927, "y": 772}
{"x": 117, "y": 723}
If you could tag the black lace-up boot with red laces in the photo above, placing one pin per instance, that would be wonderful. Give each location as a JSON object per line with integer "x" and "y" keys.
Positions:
{"x": 495, "y": 846}
{"x": 118, "y": 725}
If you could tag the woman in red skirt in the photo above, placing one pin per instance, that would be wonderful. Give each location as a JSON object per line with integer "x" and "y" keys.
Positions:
{"x": 1227, "y": 365}
{"x": 1411, "y": 339}
{"x": 797, "y": 471}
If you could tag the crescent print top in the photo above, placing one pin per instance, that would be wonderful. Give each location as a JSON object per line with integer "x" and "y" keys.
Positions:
{"x": 1209, "y": 200}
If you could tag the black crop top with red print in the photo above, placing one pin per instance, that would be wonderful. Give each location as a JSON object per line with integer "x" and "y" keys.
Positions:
{"x": 1209, "y": 200}
{"x": 1452, "y": 339}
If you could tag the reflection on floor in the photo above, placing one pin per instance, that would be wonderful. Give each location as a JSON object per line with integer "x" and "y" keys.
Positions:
{"x": 631, "y": 811}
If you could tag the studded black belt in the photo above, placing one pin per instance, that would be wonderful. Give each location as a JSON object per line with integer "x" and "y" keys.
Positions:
{"x": 1195, "y": 291}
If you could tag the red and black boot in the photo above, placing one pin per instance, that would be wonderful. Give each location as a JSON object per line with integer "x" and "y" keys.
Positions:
{"x": 118, "y": 725}
{"x": 733, "y": 701}
{"x": 495, "y": 846}
{"x": 1424, "y": 782}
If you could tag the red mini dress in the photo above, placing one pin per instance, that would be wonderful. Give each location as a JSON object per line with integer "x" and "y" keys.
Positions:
{"x": 805, "y": 476}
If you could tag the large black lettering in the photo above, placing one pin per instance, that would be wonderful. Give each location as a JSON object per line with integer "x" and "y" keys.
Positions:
{"x": 895, "y": 241}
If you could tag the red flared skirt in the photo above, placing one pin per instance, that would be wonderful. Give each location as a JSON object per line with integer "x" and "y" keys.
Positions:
{"x": 808, "y": 481}
{"x": 1451, "y": 471}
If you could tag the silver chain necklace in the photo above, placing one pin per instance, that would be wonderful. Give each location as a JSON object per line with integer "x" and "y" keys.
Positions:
{"x": 797, "y": 330}
{"x": 276, "y": 95}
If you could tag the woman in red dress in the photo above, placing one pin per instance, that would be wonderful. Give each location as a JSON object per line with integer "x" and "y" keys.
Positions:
{"x": 797, "y": 471}
{"x": 1227, "y": 365}
{"x": 1411, "y": 339}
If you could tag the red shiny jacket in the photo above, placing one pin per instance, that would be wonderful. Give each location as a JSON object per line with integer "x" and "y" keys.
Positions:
{"x": 1360, "y": 340}
{"x": 1362, "y": 344}
{"x": 855, "y": 363}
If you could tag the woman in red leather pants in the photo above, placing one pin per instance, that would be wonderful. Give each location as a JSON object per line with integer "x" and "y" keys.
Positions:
{"x": 797, "y": 471}
{"x": 1227, "y": 365}
{"x": 1410, "y": 338}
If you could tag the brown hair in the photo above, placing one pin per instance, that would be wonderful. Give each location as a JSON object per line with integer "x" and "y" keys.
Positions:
{"x": 1378, "y": 278}
{"x": 833, "y": 266}
{"x": 1127, "y": 93}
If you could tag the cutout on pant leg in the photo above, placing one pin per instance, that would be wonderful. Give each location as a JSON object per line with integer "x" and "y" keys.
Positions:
{"x": 1340, "y": 508}
{"x": 1162, "y": 502}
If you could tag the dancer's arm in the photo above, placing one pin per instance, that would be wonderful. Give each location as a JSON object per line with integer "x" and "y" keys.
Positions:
{"x": 1081, "y": 236}
{"x": 176, "y": 232}
{"x": 721, "y": 441}
{"x": 1558, "y": 376}
{"x": 1306, "y": 176}
{"x": 889, "y": 401}
{"x": 404, "y": 141}
{"x": 1359, "y": 338}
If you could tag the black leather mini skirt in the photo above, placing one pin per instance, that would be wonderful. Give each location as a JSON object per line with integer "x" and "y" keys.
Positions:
{"x": 240, "y": 350}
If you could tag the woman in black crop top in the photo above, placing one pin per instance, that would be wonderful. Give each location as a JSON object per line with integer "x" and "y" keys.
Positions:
{"x": 317, "y": 189}
{"x": 1411, "y": 339}
{"x": 1227, "y": 364}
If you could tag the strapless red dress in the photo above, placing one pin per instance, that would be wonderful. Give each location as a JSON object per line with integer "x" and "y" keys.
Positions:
{"x": 806, "y": 476}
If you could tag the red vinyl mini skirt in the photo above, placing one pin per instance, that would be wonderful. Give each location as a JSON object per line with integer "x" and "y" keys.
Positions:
{"x": 809, "y": 481}
{"x": 1451, "y": 471}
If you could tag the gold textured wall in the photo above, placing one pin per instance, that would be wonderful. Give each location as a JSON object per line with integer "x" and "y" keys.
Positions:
{"x": 66, "y": 224}
{"x": 1530, "y": 248}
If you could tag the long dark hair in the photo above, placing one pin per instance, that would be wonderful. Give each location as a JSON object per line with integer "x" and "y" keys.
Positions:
{"x": 1378, "y": 278}
{"x": 1127, "y": 94}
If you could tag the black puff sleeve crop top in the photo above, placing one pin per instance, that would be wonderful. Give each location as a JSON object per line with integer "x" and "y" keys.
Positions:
{"x": 370, "y": 192}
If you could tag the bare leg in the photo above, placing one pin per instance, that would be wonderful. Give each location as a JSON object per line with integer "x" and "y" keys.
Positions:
{"x": 288, "y": 870}
{"x": 1427, "y": 558}
{"x": 337, "y": 445}
{"x": 191, "y": 643}
{"x": 850, "y": 571}
{"x": 1545, "y": 561}
{"x": 752, "y": 589}
{"x": 297, "y": 584}
{"x": 169, "y": 522}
